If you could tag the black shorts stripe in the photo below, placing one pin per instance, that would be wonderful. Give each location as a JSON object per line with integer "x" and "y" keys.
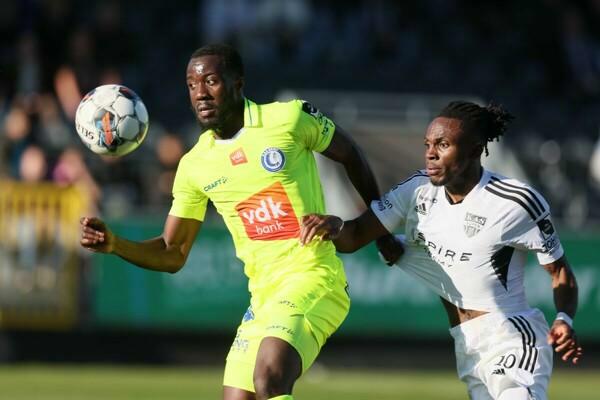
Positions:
{"x": 530, "y": 338}
{"x": 525, "y": 347}
{"x": 501, "y": 186}
{"x": 522, "y": 318}
{"x": 531, "y": 192}
{"x": 531, "y": 334}
{"x": 535, "y": 356}
{"x": 515, "y": 199}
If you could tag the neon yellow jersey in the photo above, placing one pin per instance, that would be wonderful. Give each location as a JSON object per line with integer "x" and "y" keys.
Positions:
{"x": 262, "y": 182}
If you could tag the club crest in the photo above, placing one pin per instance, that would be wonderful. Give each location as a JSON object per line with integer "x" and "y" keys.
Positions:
{"x": 473, "y": 224}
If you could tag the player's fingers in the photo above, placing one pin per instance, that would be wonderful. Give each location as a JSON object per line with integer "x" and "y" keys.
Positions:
{"x": 568, "y": 354}
{"x": 560, "y": 337}
{"x": 564, "y": 346}
{"x": 307, "y": 222}
{"x": 309, "y": 232}
{"x": 88, "y": 229}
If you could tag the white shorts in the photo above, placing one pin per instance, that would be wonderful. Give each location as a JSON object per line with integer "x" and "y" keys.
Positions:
{"x": 496, "y": 351}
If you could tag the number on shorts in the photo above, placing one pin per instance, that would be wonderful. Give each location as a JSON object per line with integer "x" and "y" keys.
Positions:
{"x": 508, "y": 361}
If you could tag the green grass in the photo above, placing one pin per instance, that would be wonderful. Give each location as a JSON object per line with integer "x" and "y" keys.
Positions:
{"x": 57, "y": 382}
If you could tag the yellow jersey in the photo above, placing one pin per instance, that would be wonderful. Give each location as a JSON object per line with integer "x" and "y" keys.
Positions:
{"x": 262, "y": 181}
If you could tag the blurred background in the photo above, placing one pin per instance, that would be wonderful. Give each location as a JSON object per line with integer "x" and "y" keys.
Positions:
{"x": 382, "y": 69}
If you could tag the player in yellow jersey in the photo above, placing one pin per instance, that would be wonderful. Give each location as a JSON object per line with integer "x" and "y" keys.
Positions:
{"x": 255, "y": 163}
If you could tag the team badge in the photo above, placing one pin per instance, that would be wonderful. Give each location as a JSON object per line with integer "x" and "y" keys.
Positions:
{"x": 473, "y": 224}
{"x": 272, "y": 159}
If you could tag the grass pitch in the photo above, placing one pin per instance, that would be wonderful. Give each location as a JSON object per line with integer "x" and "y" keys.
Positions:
{"x": 85, "y": 382}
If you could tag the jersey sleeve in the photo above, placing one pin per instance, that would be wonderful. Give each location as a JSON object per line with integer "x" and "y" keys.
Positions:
{"x": 393, "y": 207}
{"x": 188, "y": 200}
{"x": 531, "y": 228}
{"x": 313, "y": 129}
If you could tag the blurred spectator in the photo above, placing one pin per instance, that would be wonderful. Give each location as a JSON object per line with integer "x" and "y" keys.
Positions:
{"x": 14, "y": 138}
{"x": 33, "y": 166}
{"x": 581, "y": 53}
{"x": 70, "y": 169}
{"x": 159, "y": 180}
{"x": 540, "y": 58}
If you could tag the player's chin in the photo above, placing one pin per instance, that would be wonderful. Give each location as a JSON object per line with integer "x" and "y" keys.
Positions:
{"x": 208, "y": 123}
{"x": 437, "y": 180}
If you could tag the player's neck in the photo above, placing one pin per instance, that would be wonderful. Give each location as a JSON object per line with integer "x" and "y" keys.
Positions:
{"x": 233, "y": 124}
{"x": 457, "y": 190}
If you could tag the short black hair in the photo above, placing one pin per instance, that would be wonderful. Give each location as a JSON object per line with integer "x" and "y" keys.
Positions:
{"x": 489, "y": 122}
{"x": 232, "y": 61}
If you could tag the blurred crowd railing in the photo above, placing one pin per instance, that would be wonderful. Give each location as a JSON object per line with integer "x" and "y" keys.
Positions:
{"x": 39, "y": 255}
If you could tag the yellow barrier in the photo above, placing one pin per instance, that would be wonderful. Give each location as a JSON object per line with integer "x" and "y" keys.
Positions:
{"x": 39, "y": 255}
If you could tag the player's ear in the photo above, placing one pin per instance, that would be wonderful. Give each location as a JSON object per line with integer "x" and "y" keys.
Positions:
{"x": 239, "y": 83}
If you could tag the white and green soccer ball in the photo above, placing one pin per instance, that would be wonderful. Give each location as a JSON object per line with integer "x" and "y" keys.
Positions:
{"x": 111, "y": 120}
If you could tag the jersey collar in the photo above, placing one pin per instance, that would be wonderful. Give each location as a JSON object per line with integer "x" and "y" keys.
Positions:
{"x": 252, "y": 114}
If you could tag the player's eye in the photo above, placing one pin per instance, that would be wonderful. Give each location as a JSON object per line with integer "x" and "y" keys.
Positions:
{"x": 191, "y": 86}
{"x": 444, "y": 145}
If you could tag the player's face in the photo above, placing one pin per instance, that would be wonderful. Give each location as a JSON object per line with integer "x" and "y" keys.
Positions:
{"x": 448, "y": 151}
{"x": 213, "y": 93}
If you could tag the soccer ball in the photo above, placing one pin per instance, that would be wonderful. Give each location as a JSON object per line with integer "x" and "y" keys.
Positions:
{"x": 111, "y": 120}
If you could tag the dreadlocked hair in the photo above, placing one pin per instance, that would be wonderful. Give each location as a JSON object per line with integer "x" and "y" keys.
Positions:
{"x": 488, "y": 123}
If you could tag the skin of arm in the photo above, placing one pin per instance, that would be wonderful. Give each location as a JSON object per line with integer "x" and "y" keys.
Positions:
{"x": 165, "y": 253}
{"x": 564, "y": 287}
{"x": 347, "y": 236}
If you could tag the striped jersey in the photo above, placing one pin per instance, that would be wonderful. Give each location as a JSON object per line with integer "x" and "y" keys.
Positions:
{"x": 471, "y": 253}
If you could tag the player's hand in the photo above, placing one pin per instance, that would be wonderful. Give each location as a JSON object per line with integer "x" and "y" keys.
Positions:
{"x": 96, "y": 236}
{"x": 564, "y": 340}
{"x": 328, "y": 227}
{"x": 390, "y": 248}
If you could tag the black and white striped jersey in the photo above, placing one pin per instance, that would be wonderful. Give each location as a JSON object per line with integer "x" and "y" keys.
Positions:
{"x": 472, "y": 253}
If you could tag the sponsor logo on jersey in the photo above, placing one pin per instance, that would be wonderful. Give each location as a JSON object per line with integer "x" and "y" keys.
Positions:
{"x": 222, "y": 180}
{"x": 499, "y": 371}
{"x": 442, "y": 255}
{"x": 268, "y": 215}
{"x": 272, "y": 159}
{"x": 473, "y": 224}
{"x": 238, "y": 157}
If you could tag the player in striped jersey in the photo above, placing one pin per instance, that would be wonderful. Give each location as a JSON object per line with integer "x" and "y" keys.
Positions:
{"x": 466, "y": 234}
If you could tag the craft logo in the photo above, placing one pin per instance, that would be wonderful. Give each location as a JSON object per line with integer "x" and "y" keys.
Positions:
{"x": 268, "y": 215}
{"x": 238, "y": 157}
{"x": 473, "y": 224}
{"x": 217, "y": 182}
{"x": 272, "y": 159}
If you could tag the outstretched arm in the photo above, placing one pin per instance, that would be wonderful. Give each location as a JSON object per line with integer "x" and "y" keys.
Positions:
{"x": 347, "y": 236}
{"x": 564, "y": 286}
{"x": 166, "y": 253}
